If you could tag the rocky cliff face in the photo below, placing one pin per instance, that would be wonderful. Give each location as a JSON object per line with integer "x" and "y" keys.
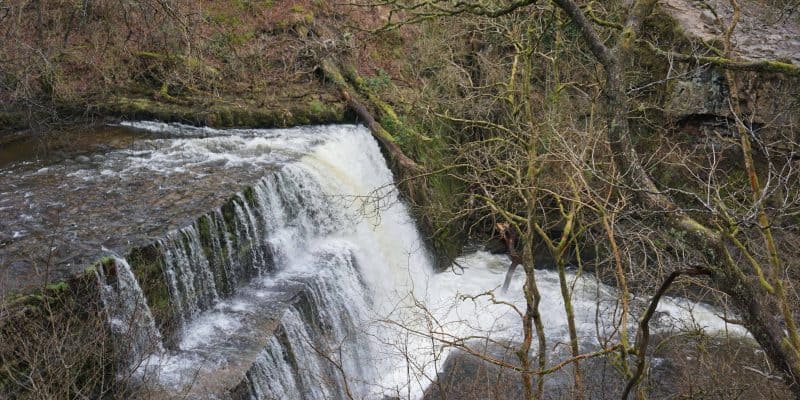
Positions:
{"x": 698, "y": 100}
{"x": 764, "y": 32}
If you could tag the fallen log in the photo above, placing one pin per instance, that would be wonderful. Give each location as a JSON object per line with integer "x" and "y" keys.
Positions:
{"x": 409, "y": 166}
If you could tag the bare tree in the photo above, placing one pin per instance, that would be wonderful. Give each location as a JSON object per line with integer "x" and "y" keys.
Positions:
{"x": 510, "y": 155}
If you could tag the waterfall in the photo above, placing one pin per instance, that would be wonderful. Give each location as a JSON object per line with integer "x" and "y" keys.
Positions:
{"x": 132, "y": 325}
{"x": 316, "y": 352}
{"x": 314, "y": 283}
{"x": 211, "y": 258}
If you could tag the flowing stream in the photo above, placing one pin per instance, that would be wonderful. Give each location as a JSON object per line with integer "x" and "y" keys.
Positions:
{"x": 316, "y": 284}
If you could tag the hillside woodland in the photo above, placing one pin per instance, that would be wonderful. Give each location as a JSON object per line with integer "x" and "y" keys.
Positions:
{"x": 653, "y": 144}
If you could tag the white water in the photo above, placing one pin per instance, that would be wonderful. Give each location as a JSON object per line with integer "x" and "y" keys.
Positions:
{"x": 186, "y": 149}
{"x": 131, "y": 322}
{"x": 335, "y": 228}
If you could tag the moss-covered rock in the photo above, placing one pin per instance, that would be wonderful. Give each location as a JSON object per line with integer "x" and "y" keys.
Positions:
{"x": 223, "y": 115}
{"x": 147, "y": 265}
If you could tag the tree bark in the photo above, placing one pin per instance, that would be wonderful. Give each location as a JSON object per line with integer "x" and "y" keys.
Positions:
{"x": 509, "y": 236}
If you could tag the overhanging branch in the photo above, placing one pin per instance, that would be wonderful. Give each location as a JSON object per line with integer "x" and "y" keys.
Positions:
{"x": 643, "y": 337}
{"x": 726, "y": 63}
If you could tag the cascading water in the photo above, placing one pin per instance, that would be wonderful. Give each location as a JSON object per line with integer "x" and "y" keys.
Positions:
{"x": 131, "y": 322}
{"x": 315, "y": 284}
{"x": 317, "y": 350}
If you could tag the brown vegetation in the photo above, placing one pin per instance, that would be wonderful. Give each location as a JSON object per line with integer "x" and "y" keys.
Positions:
{"x": 55, "y": 344}
{"x": 238, "y": 63}
{"x": 550, "y": 118}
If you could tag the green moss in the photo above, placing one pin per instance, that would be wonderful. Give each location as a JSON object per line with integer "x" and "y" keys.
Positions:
{"x": 378, "y": 82}
{"x": 784, "y": 67}
{"x": 164, "y": 92}
{"x": 224, "y": 18}
{"x": 396, "y": 130}
{"x": 146, "y": 264}
{"x": 244, "y": 251}
{"x": 223, "y": 247}
{"x": 332, "y": 73}
{"x": 17, "y": 300}
{"x": 204, "y": 230}
{"x": 316, "y": 107}
{"x": 57, "y": 286}
{"x": 249, "y": 195}
{"x": 229, "y": 217}
{"x": 224, "y": 115}
{"x": 299, "y": 117}
{"x": 252, "y": 5}
{"x": 204, "y": 226}
{"x": 307, "y": 15}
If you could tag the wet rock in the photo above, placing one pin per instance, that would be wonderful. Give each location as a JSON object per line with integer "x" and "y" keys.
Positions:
{"x": 215, "y": 163}
{"x": 115, "y": 195}
{"x": 468, "y": 377}
{"x": 661, "y": 320}
{"x": 699, "y": 98}
{"x": 760, "y": 34}
{"x": 703, "y": 93}
{"x": 678, "y": 368}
